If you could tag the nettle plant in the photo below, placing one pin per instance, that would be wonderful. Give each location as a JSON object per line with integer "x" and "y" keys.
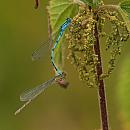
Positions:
{"x": 84, "y": 37}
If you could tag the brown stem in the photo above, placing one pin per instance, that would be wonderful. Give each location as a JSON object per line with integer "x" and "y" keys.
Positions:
{"x": 36, "y": 4}
{"x": 101, "y": 88}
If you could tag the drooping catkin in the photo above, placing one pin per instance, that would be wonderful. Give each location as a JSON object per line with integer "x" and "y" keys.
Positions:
{"x": 81, "y": 42}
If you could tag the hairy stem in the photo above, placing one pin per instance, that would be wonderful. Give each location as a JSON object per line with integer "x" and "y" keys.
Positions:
{"x": 101, "y": 86}
{"x": 108, "y": 7}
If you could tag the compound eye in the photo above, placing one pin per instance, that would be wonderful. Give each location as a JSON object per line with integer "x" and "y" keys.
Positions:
{"x": 68, "y": 19}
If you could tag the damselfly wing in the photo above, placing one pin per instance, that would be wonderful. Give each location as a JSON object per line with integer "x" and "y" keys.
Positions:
{"x": 31, "y": 94}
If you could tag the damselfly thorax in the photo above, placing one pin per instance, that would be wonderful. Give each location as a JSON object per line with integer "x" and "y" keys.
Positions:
{"x": 62, "y": 81}
{"x": 59, "y": 78}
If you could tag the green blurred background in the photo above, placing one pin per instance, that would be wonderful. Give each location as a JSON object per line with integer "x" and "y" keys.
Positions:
{"x": 22, "y": 29}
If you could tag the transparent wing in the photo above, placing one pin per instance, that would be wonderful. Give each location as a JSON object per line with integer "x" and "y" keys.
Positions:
{"x": 29, "y": 95}
{"x": 38, "y": 53}
{"x": 33, "y": 93}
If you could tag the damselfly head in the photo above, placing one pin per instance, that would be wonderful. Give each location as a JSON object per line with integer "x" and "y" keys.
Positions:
{"x": 68, "y": 20}
{"x": 62, "y": 82}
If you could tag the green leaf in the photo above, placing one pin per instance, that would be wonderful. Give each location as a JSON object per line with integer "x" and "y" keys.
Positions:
{"x": 58, "y": 11}
{"x": 124, "y": 10}
{"x": 125, "y": 17}
{"x": 96, "y": 2}
{"x": 88, "y": 2}
{"x": 92, "y": 3}
{"x": 123, "y": 87}
{"x": 125, "y": 5}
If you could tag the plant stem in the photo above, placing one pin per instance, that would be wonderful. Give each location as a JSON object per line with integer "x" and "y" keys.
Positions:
{"x": 36, "y": 4}
{"x": 108, "y": 7}
{"x": 101, "y": 86}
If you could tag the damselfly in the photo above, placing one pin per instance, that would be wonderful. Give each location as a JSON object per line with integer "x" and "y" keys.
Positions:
{"x": 37, "y": 53}
{"x": 31, "y": 94}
